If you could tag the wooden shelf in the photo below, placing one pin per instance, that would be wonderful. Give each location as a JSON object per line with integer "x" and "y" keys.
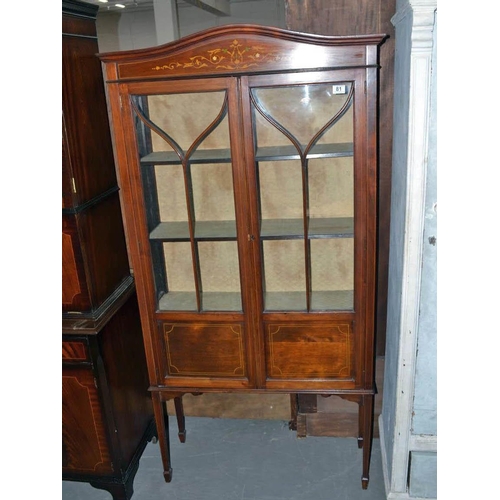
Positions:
{"x": 200, "y": 156}
{"x": 335, "y": 227}
{"x": 331, "y": 300}
{"x": 211, "y": 301}
{"x": 289, "y": 152}
{"x": 269, "y": 153}
{"x": 271, "y": 229}
{"x": 223, "y": 230}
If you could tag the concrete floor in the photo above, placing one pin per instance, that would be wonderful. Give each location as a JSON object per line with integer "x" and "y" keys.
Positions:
{"x": 240, "y": 459}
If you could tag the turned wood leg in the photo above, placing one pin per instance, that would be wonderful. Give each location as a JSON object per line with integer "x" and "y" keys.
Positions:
{"x": 161, "y": 418}
{"x": 181, "y": 420}
{"x": 367, "y": 438}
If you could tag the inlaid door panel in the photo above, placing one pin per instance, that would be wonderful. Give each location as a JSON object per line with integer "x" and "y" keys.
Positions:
{"x": 84, "y": 442}
{"x": 314, "y": 351}
{"x": 205, "y": 350}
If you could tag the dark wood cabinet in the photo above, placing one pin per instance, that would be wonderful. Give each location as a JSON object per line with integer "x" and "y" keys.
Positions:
{"x": 107, "y": 415}
{"x": 247, "y": 158}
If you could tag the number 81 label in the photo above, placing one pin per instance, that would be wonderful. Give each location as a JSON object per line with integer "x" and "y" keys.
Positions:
{"x": 339, "y": 89}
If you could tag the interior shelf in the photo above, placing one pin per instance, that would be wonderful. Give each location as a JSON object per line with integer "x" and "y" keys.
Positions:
{"x": 199, "y": 156}
{"x": 334, "y": 227}
{"x": 289, "y": 152}
{"x": 204, "y": 231}
{"x": 211, "y": 301}
{"x": 269, "y": 153}
{"x": 331, "y": 300}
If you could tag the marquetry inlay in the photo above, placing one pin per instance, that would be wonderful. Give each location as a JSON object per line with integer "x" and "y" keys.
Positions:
{"x": 236, "y": 56}
{"x": 216, "y": 350}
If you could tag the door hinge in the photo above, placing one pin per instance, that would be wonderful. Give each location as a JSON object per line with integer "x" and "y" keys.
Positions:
{"x": 121, "y": 104}
{"x": 95, "y": 383}
{"x": 365, "y": 86}
{"x": 73, "y": 184}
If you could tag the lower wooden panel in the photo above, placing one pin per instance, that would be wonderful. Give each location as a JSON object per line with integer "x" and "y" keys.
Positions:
{"x": 312, "y": 351}
{"x": 85, "y": 447}
{"x": 205, "y": 350}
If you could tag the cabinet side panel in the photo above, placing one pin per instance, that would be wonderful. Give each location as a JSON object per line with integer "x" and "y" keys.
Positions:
{"x": 84, "y": 444}
{"x": 127, "y": 377}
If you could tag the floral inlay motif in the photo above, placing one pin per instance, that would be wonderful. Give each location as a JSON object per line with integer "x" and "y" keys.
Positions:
{"x": 236, "y": 56}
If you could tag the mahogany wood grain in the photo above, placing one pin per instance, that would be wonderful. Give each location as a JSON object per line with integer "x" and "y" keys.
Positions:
{"x": 205, "y": 350}
{"x": 239, "y": 49}
{"x": 319, "y": 351}
{"x": 90, "y": 166}
{"x": 85, "y": 445}
{"x": 75, "y": 291}
{"x": 250, "y": 351}
{"x": 124, "y": 363}
{"x": 74, "y": 350}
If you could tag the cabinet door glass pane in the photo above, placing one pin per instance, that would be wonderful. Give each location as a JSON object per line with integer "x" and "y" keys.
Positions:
{"x": 219, "y": 275}
{"x": 185, "y": 160}
{"x": 304, "y": 152}
{"x": 284, "y": 275}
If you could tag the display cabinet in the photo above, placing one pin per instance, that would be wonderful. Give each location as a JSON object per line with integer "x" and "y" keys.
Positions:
{"x": 107, "y": 415}
{"x": 247, "y": 158}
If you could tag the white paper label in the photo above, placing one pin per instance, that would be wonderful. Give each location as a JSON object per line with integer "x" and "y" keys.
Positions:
{"x": 339, "y": 89}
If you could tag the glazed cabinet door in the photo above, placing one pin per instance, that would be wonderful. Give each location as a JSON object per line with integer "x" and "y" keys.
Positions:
{"x": 187, "y": 190}
{"x": 305, "y": 141}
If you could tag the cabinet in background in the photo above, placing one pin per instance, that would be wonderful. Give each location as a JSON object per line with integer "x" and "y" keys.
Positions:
{"x": 107, "y": 415}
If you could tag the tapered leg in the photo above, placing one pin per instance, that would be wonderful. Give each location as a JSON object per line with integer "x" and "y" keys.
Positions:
{"x": 361, "y": 424}
{"x": 181, "y": 420}
{"x": 367, "y": 438}
{"x": 161, "y": 418}
{"x": 292, "y": 424}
